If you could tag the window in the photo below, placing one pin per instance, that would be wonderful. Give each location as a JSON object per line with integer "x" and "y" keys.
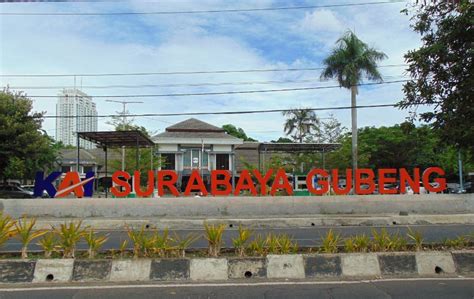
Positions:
{"x": 168, "y": 162}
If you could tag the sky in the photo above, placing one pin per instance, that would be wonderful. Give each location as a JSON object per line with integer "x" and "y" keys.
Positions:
{"x": 203, "y": 42}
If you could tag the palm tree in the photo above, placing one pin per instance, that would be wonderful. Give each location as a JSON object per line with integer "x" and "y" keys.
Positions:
{"x": 301, "y": 122}
{"x": 349, "y": 62}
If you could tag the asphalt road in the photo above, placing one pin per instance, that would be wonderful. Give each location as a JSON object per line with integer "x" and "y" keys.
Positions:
{"x": 305, "y": 236}
{"x": 431, "y": 289}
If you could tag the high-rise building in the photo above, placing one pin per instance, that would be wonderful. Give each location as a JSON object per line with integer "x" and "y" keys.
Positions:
{"x": 79, "y": 109}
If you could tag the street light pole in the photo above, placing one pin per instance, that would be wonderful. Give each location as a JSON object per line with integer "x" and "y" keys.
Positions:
{"x": 124, "y": 118}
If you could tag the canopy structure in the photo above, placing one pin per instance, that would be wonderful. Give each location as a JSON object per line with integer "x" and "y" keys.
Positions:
{"x": 106, "y": 139}
{"x": 298, "y": 147}
{"x": 117, "y": 138}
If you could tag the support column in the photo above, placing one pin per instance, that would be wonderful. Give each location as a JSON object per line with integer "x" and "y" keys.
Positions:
{"x": 106, "y": 173}
{"x": 78, "y": 153}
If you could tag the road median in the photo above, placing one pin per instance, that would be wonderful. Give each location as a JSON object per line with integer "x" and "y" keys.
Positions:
{"x": 290, "y": 266}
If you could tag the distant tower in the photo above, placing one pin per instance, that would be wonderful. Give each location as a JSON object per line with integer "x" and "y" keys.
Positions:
{"x": 77, "y": 106}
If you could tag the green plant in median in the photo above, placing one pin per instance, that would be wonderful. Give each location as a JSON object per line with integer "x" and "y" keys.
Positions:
{"x": 69, "y": 235}
{"x": 6, "y": 228}
{"x": 214, "y": 235}
{"x": 183, "y": 243}
{"x": 460, "y": 242}
{"x": 257, "y": 246}
{"x": 287, "y": 245}
{"x": 123, "y": 248}
{"x": 48, "y": 243}
{"x": 143, "y": 241}
{"x": 94, "y": 241}
{"x": 161, "y": 242}
{"x": 397, "y": 243}
{"x": 417, "y": 237}
{"x": 380, "y": 240}
{"x": 330, "y": 242}
{"x": 272, "y": 244}
{"x": 241, "y": 240}
{"x": 24, "y": 232}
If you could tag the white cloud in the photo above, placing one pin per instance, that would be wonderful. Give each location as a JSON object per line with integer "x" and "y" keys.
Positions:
{"x": 203, "y": 42}
{"x": 322, "y": 21}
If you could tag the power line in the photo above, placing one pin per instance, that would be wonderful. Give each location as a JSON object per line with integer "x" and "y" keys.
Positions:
{"x": 233, "y": 112}
{"x": 131, "y": 86}
{"x": 235, "y": 10}
{"x": 177, "y": 72}
{"x": 221, "y": 93}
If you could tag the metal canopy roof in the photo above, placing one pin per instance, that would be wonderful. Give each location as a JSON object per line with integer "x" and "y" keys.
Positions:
{"x": 117, "y": 138}
{"x": 298, "y": 147}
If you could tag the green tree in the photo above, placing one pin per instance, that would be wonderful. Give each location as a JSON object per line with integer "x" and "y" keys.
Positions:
{"x": 399, "y": 146}
{"x": 349, "y": 63}
{"x": 237, "y": 132}
{"x": 282, "y": 140}
{"x": 302, "y": 123}
{"x": 332, "y": 130}
{"x": 24, "y": 147}
{"x": 443, "y": 68}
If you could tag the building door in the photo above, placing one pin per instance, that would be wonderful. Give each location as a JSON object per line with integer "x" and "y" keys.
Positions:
{"x": 222, "y": 161}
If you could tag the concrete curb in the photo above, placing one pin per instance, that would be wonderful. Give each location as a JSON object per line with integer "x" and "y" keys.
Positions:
{"x": 242, "y": 206}
{"x": 262, "y": 222}
{"x": 295, "y": 266}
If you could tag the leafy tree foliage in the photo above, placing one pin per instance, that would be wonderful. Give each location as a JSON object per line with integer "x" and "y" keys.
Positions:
{"x": 237, "y": 132}
{"x": 24, "y": 147}
{"x": 301, "y": 124}
{"x": 443, "y": 68}
{"x": 282, "y": 140}
{"x": 399, "y": 146}
{"x": 144, "y": 154}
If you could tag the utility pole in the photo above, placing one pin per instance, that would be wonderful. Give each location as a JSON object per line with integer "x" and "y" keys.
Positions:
{"x": 124, "y": 118}
{"x": 77, "y": 126}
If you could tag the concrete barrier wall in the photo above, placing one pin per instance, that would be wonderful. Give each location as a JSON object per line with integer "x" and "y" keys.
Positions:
{"x": 239, "y": 206}
{"x": 296, "y": 266}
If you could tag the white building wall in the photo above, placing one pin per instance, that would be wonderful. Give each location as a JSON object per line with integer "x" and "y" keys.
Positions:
{"x": 80, "y": 109}
{"x": 222, "y": 148}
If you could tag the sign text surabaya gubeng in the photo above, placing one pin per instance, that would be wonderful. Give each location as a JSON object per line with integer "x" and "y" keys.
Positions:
{"x": 318, "y": 182}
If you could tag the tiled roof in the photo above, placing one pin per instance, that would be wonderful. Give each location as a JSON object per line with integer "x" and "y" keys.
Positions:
{"x": 194, "y": 128}
{"x": 217, "y": 135}
{"x": 193, "y": 125}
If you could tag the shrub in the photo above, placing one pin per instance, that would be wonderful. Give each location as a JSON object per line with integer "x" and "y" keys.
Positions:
{"x": 161, "y": 242}
{"x": 94, "y": 241}
{"x": 257, "y": 246}
{"x": 69, "y": 235}
{"x": 214, "y": 235}
{"x": 183, "y": 243}
{"x": 24, "y": 232}
{"x": 417, "y": 238}
{"x": 123, "y": 248}
{"x": 287, "y": 245}
{"x": 381, "y": 240}
{"x": 241, "y": 240}
{"x": 460, "y": 242}
{"x": 143, "y": 241}
{"x": 330, "y": 242}
{"x": 6, "y": 228}
{"x": 48, "y": 243}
